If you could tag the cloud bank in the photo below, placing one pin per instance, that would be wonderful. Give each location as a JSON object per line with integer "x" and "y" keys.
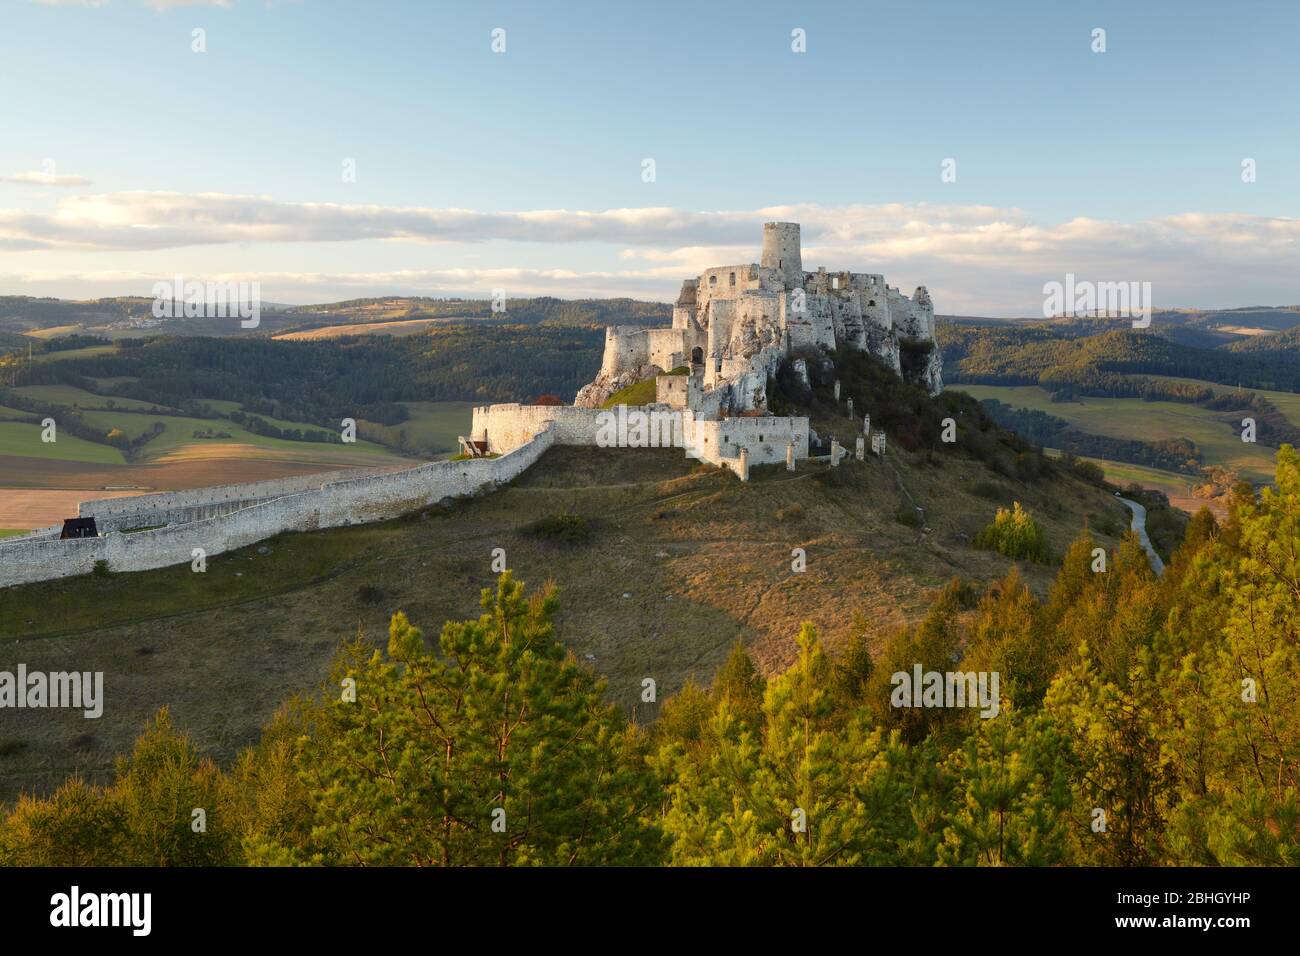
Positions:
{"x": 973, "y": 258}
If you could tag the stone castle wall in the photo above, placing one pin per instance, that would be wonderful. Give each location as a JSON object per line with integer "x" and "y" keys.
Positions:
{"x": 507, "y": 426}
{"x": 765, "y": 438}
{"x": 330, "y": 504}
{"x": 197, "y": 504}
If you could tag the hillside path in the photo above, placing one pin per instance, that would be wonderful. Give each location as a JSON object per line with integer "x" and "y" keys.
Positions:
{"x": 1140, "y": 526}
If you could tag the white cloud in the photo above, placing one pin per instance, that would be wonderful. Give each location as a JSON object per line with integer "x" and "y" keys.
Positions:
{"x": 38, "y": 178}
{"x": 974, "y": 259}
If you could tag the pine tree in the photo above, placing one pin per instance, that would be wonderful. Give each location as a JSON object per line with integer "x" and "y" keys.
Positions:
{"x": 1011, "y": 795}
{"x": 499, "y": 750}
{"x": 1235, "y": 698}
{"x": 811, "y": 789}
{"x": 741, "y": 685}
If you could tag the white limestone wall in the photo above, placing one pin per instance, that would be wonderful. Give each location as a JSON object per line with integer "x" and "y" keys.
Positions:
{"x": 198, "y": 503}
{"x": 667, "y": 348}
{"x": 672, "y": 390}
{"x": 508, "y": 426}
{"x": 338, "y": 503}
{"x": 765, "y": 438}
{"x": 626, "y": 347}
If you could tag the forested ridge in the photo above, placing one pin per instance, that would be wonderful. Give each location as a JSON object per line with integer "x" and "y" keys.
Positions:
{"x": 1096, "y": 364}
{"x": 324, "y": 381}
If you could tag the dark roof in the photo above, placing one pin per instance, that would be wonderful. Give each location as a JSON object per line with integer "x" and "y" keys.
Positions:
{"x": 79, "y": 528}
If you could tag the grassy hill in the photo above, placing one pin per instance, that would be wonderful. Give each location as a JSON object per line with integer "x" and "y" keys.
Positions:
{"x": 43, "y": 318}
{"x": 680, "y": 560}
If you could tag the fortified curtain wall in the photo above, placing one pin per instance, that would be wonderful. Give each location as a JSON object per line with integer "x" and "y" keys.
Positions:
{"x": 331, "y": 504}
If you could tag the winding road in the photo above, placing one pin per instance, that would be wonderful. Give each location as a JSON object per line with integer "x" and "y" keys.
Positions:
{"x": 1140, "y": 526}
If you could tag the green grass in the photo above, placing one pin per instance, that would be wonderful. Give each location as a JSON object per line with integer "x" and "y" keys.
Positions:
{"x": 431, "y": 431}
{"x": 24, "y": 441}
{"x": 11, "y": 532}
{"x": 71, "y": 395}
{"x": 178, "y": 434}
{"x": 639, "y": 393}
{"x": 1123, "y": 473}
{"x": 221, "y": 405}
{"x": 91, "y": 351}
{"x": 1214, "y": 432}
{"x": 14, "y": 413}
{"x": 1288, "y": 403}
{"x": 111, "y": 380}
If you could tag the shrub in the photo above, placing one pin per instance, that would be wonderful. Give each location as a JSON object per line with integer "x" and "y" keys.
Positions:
{"x": 987, "y": 490}
{"x": 562, "y": 529}
{"x": 907, "y": 515}
{"x": 369, "y": 594}
{"x": 1015, "y": 534}
{"x": 837, "y": 477}
{"x": 1086, "y": 470}
{"x": 100, "y": 570}
{"x": 790, "y": 512}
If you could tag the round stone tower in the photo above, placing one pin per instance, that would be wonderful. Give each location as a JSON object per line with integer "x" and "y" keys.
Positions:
{"x": 781, "y": 252}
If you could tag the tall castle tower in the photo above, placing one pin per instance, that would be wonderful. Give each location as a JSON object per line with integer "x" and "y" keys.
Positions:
{"x": 781, "y": 252}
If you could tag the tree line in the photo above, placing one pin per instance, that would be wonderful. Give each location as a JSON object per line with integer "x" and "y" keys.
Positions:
{"x": 321, "y": 382}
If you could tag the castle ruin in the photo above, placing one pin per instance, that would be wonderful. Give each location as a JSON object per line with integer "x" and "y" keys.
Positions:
{"x": 733, "y": 325}
{"x": 732, "y": 328}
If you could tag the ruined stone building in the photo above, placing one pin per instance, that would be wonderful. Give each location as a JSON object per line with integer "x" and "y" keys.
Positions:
{"x": 732, "y": 328}
{"x": 733, "y": 325}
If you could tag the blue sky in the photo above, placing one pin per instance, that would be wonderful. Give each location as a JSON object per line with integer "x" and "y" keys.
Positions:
{"x": 473, "y": 167}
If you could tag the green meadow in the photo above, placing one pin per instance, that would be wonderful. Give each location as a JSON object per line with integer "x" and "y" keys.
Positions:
{"x": 1214, "y": 432}
{"x": 24, "y": 441}
{"x": 178, "y": 438}
{"x": 71, "y": 395}
{"x": 431, "y": 431}
{"x": 1288, "y": 403}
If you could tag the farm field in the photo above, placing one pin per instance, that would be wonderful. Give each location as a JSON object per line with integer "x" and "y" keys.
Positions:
{"x": 395, "y": 327}
{"x": 1176, "y": 487}
{"x": 110, "y": 380}
{"x": 71, "y": 395}
{"x": 177, "y": 440}
{"x": 43, "y": 483}
{"x": 24, "y": 441}
{"x": 54, "y": 331}
{"x": 1220, "y": 442}
{"x": 1288, "y": 403}
{"x": 174, "y": 474}
{"x": 431, "y": 431}
{"x": 25, "y": 509}
{"x": 90, "y": 351}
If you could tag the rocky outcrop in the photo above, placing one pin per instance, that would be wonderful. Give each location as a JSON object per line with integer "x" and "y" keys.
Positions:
{"x": 596, "y": 393}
